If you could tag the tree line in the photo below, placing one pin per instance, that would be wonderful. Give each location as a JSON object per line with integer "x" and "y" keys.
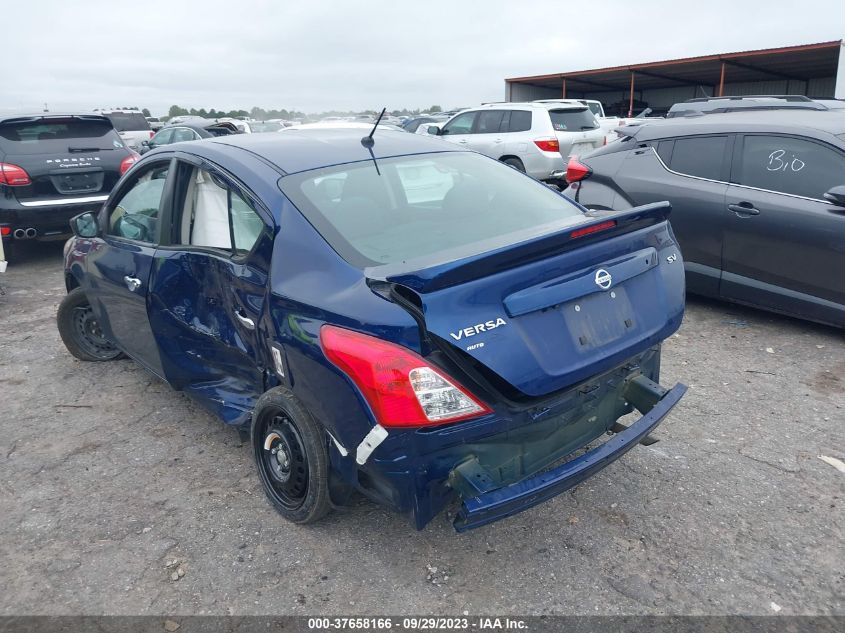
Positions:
{"x": 261, "y": 114}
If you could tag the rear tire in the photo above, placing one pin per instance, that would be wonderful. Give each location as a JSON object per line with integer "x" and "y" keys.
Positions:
{"x": 80, "y": 330}
{"x": 515, "y": 163}
{"x": 290, "y": 452}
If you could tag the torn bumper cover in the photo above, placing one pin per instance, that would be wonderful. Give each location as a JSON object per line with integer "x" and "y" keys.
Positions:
{"x": 497, "y": 503}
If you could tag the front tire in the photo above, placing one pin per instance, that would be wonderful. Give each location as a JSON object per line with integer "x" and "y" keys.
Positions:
{"x": 290, "y": 452}
{"x": 80, "y": 330}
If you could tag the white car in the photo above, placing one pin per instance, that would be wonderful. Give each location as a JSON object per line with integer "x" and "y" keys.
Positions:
{"x": 536, "y": 138}
{"x": 131, "y": 125}
{"x": 608, "y": 124}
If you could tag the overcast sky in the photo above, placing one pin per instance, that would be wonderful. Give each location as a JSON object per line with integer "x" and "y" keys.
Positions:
{"x": 315, "y": 56}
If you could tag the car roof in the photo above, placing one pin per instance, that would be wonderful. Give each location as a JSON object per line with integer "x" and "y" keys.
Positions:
{"x": 552, "y": 104}
{"x": 802, "y": 121}
{"x": 51, "y": 115}
{"x": 296, "y": 150}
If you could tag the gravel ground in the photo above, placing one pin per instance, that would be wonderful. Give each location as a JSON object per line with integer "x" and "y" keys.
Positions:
{"x": 107, "y": 476}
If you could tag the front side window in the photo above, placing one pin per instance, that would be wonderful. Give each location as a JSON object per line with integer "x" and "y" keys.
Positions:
{"x": 163, "y": 137}
{"x": 454, "y": 203}
{"x": 701, "y": 156}
{"x": 217, "y": 215}
{"x": 135, "y": 215}
{"x": 461, "y": 124}
{"x": 790, "y": 165}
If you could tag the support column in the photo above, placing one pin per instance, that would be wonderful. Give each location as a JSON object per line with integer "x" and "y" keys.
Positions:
{"x": 563, "y": 88}
{"x": 722, "y": 82}
{"x": 631, "y": 99}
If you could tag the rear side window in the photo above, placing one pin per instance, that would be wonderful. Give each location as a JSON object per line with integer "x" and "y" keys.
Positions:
{"x": 790, "y": 165}
{"x": 128, "y": 121}
{"x": 455, "y": 203}
{"x": 218, "y": 215}
{"x": 489, "y": 121}
{"x": 573, "y": 120}
{"x": 520, "y": 121}
{"x": 701, "y": 156}
{"x": 44, "y": 136}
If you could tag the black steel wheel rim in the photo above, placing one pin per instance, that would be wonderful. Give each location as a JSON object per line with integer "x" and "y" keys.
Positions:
{"x": 88, "y": 334}
{"x": 283, "y": 461}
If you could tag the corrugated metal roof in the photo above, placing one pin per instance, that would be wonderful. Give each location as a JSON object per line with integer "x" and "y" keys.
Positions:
{"x": 803, "y": 62}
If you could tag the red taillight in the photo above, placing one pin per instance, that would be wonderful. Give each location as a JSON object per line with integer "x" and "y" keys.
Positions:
{"x": 576, "y": 170}
{"x": 593, "y": 228}
{"x": 548, "y": 144}
{"x": 152, "y": 134}
{"x": 402, "y": 389}
{"x": 13, "y": 175}
{"x": 5, "y": 231}
{"x": 127, "y": 162}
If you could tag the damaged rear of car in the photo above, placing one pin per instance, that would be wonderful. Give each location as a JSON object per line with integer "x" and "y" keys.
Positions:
{"x": 477, "y": 330}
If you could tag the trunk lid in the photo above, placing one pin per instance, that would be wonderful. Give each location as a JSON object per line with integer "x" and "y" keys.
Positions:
{"x": 65, "y": 156}
{"x": 550, "y": 312}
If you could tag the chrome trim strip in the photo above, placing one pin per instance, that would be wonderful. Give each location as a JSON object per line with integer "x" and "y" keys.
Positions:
{"x": 61, "y": 201}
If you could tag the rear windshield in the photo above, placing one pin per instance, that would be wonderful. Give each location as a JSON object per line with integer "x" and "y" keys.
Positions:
{"x": 44, "y": 136}
{"x": 573, "y": 120}
{"x": 424, "y": 204}
{"x": 128, "y": 121}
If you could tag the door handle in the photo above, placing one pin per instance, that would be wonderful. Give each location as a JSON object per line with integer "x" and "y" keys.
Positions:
{"x": 248, "y": 323}
{"x": 744, "y": 208}
{"x": 133, "y": 283}
{"x": 463, "y": 142}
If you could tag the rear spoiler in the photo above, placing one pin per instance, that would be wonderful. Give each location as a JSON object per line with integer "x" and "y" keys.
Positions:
{"x": 433, "y": 273}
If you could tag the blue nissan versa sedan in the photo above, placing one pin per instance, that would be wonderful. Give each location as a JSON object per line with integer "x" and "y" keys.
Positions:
{"x": 403, "y": 318}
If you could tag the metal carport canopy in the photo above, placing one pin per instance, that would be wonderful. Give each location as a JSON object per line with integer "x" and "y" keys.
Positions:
{"x": 800, "y": 63}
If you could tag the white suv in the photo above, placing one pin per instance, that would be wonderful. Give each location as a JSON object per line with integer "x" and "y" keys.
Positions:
{"x": 131, "y": 125}
{"x": 536, "y": 138}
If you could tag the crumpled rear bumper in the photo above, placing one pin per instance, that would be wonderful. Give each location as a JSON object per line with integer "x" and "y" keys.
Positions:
{"x": 505, "y": 501}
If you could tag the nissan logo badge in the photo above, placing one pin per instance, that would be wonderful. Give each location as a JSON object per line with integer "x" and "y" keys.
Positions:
{"x": 603, "y": 279}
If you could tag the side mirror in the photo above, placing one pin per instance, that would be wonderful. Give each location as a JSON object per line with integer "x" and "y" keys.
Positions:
{"x": 85, "y": 225}
{"x": 429, "y": 128}
{"x": 145, "y": 143}
{"x": 836, "y": 195}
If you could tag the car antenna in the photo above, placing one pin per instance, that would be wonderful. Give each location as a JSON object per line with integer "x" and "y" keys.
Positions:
{"x": 368, "y": 141}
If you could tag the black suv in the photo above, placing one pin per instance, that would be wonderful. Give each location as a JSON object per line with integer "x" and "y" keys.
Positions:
{"x": 53, "y": 167}
{"x": 758, "y": 202}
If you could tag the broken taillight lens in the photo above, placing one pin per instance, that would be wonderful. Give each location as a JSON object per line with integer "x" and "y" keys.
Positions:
{"x": 402, "y": 389}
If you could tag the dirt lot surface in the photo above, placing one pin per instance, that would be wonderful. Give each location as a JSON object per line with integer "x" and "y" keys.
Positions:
{"x": 107, "y": 476}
